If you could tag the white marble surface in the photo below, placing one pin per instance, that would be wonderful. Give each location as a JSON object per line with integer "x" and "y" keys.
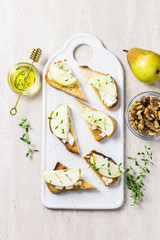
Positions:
{"x": 48, "y": 24}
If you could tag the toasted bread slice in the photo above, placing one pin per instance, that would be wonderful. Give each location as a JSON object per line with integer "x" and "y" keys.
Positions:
{"x": 88, "y": 156}
{"x": 75, "y": 90}
{"x": 88, "y": 73}
{"x": 84, "y": 186}
{"x": 70, "y": 148}
{"x": 84, "y": 107}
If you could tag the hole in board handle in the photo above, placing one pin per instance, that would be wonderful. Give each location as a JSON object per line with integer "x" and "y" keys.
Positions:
{"x": 83, "y": 54}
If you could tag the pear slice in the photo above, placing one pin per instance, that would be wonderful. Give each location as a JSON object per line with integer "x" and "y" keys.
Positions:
{"x": 60, "y": 122}
{"x": 104, "y": 86}
{"x": 62, "y": 74}
{"x": 62, "y": 178}
{"x": 99, "y": 120}
{"x": 84, "y": 184}
{"x": 106, "y": 168}
{"x": 103, "y": 83}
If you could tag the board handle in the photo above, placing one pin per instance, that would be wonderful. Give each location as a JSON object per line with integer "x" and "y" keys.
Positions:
{"x": 82, "y": 39}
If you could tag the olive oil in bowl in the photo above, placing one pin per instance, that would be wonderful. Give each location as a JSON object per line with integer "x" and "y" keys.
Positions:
{"x": 17, "y": 76}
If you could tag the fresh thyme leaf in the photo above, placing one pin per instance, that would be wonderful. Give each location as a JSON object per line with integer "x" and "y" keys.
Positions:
{"x": 109, "y": 172}
{"x": 56, "y": 114}
{"x": 23, "y": 139}
{"x": 50, "y": 118}
{"x": 63, "y": 130}
{"x": 56, "y": 127}
{"x": 68, "y": 177}
{"x": 27, "y": 154}
{"x": 61, "y": 121}
{"x": 30, "y": 151}
{"x": 17, "y": 68}
{"x": 106, "y": 81}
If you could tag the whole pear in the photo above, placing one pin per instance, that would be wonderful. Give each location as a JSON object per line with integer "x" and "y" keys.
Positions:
{"x": 144, "y": 64}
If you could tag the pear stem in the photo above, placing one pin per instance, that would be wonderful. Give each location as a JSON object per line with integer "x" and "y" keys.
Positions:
{"x": 125, "y": 50}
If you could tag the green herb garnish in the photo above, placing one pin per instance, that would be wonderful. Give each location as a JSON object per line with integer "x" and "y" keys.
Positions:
{"x": 25, "y": 139}
{"x": 119, "y": 168}
{"x": 68, "y": 177}
{"x": 136, "y": 174}
{"x": 109, "y": 171}
{"x": 92, "y": 165}
{"x": 96, "y": 169}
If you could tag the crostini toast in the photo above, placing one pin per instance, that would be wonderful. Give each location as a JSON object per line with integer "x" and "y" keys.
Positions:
{"x": 97, "y": 133}
{"x": 84, "y": 186}
{"x": 74, "y": 90}
{"x": 88, "y": 157}
{"x": 111, "y": 101}
{"x": 72, "y": 148}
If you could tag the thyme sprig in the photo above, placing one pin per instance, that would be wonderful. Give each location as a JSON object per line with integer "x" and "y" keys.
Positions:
{"x": 24, "y": 137}
{"x": 136, "y": 174}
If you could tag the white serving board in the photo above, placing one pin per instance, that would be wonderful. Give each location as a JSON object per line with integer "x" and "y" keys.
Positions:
{"x": 53, "y": 150}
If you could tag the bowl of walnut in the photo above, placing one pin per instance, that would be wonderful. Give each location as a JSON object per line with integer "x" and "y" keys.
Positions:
{"x": 143, "y": 115}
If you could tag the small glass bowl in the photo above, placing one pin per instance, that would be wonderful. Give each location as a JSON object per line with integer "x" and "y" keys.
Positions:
{"x": 127, "y": 115}
{"x": 29, "y": 91}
